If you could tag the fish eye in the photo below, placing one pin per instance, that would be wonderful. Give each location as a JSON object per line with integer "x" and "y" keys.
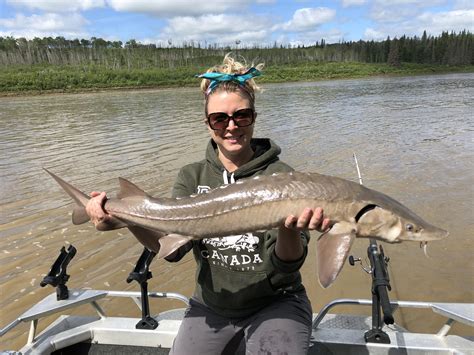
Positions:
{"x": 409, "y": 227}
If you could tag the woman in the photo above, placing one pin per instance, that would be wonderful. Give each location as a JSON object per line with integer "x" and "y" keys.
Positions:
{"x": 248, "y": 286}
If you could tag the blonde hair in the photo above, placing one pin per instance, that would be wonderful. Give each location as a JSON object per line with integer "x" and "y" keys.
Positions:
{"x": 232, "y": 66}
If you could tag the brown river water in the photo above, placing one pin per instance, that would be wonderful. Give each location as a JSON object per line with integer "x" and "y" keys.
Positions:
{"x": 413, "y": 137}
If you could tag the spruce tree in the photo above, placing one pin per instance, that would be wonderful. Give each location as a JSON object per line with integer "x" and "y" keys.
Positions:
{"x": 394, "y": 54}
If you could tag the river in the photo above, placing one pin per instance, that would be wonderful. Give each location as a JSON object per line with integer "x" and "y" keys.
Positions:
{"x": 413, "y": 137}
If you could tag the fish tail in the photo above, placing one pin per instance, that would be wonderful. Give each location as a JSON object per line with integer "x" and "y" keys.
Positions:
{"x": 79, "y": 214}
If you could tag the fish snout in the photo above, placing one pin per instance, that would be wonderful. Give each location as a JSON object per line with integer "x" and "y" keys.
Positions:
{"x": 434, "y": 234}
{"x": 422, "y": 234}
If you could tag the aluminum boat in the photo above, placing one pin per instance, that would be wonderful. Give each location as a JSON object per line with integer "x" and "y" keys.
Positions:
{"x": 332, "y": 333}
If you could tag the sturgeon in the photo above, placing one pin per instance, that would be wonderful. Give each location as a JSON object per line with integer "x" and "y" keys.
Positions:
{"x": 262, "y": 203}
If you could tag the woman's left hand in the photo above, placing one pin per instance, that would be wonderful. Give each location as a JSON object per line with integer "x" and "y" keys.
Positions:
{"x": 311, "y": 218}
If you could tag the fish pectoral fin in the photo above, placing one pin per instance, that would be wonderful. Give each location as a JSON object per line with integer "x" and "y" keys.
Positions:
{"x": 147, "y": 237}
{"x": 79, "y": 215}
{"x": 172, "y": 242}
{"x": 332, "y": 250}
{"x": 110, "y": 223}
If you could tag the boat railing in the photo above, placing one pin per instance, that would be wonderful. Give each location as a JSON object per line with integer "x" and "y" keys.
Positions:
{"x": 460, "y": 312}
{"x": 50, "y": 305}
{"x": 65, "y": 299}
{"x": 454, "y": 312}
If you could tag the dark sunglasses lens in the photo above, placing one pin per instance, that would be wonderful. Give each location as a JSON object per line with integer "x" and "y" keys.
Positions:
{"x": 220, "y": 120}
{"x": 243, "y": 118}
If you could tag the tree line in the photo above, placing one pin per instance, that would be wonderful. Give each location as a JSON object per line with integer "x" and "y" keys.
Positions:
{"x": 446, "y": 49}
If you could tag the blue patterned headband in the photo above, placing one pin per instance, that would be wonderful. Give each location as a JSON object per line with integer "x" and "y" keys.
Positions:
{"x": 217, "y": 78}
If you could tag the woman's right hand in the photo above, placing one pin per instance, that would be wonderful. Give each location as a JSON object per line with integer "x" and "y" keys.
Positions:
{"x": 95, "y": 208}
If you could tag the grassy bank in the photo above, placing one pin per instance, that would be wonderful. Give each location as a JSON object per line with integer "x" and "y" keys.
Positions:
{"x": 21, "y": 80}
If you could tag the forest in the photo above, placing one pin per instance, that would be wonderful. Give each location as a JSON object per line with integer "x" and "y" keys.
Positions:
{"x": 64, "y": 64}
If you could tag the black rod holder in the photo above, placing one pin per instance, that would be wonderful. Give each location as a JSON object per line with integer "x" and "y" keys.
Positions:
{"x": 141, "y": 274}
{"x": 57, "y": 276}
{"x": 380, "y": 299}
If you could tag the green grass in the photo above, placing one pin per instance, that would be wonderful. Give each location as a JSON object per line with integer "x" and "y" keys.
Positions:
{"x": 43, "y": 79}
{"x": 51, "y": 78}
{"x": 332, "y": 70}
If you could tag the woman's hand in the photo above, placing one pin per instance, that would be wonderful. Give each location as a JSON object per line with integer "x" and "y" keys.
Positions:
{"x": 312, "y": 219}
{"x": 289, "y": 246}
{"x": 95, "y": 208}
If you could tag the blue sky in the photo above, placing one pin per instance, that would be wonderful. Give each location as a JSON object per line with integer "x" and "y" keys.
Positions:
{"x": 223, "y": 22}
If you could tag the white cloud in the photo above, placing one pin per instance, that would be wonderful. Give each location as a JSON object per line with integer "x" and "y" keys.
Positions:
{"x": 393, "y": 11}
{"x": 433, "y": 23}
{"x": 457, "y": 20}
{"x": 225, "y": 21}
{"x": 246, "y": 38}
{"x": 347, "y": 3}
{"x": 160, "y": 8}
{"x": 165, "y": 8}
{"x": 46, "y": 23}
{"x": 417, "y": 3}
{"x": 222, "y": 29}
{"x": 57, "y": 5}
{"x": 310, "y": 38}
{"x": 464, "y": 5}
{"x": 212, "y": 24}
{"x": 392, "y": 15}
{"x": 30, "y": 34}
{"x": 308, "y": 18}
{"x": 373, "y": 35}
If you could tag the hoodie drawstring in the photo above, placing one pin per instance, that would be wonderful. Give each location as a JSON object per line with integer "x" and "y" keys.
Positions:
{"x": 225, "y": 177}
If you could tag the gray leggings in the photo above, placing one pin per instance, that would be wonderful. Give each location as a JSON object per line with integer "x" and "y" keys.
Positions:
{"x": 282, "y": 327}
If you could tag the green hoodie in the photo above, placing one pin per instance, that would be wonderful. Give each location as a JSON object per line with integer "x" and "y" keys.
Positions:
{"x": 238, "y": 275}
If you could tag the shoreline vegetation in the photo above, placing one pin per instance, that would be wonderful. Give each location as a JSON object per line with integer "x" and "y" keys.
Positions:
{"x": 38, "y": 80}
{"x": 57, "y": 65}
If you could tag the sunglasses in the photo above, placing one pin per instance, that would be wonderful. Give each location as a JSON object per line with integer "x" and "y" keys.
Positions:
{"x": 220, "y": 120}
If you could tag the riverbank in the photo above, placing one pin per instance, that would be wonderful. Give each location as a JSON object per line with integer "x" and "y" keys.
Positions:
{"x": 41, "y": 79}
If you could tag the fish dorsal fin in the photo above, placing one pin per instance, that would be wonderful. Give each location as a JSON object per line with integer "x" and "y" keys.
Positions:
{"x": 332, "y": 250}
{"x": 129, "y": 189}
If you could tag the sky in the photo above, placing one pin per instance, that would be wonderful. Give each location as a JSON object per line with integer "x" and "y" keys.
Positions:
{"x": 233, "y": 22}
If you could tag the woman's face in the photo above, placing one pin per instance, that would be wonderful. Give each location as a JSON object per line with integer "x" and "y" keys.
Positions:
{"x": 233, "y": 140}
